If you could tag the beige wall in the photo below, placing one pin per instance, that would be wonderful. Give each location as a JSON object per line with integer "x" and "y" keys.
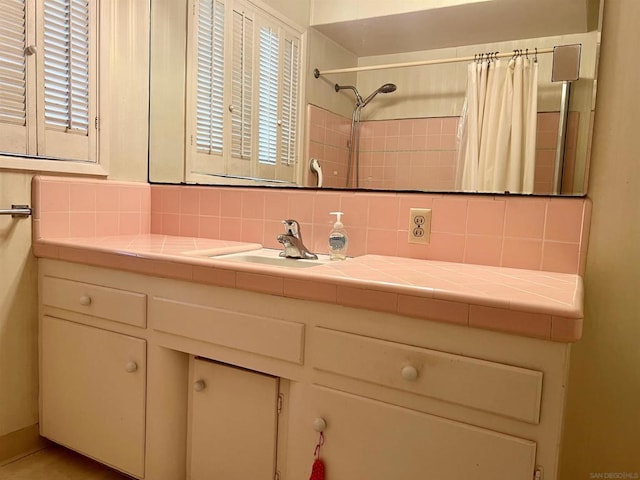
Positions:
{"x": 18, "y": 311}
{"x": 124, "y": 90}
{"x": 324, "y": 53}
{"x": 298, "y": 11}
{"x": 603, "y": 417}
{"x": 123, "y": 139}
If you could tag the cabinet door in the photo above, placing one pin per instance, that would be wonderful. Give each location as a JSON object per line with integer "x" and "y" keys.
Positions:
{"x": 232, "y": 423}
{"x": 92, "y": 389}
{"x": 367, "y": 439}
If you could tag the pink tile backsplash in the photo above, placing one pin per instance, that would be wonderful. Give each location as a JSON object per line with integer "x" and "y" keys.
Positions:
{"x": 75, "y": 207}
{"x": 535, "y": 233}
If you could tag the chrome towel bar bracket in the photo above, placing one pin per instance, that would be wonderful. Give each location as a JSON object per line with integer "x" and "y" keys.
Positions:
{"x": 17, "y": 211}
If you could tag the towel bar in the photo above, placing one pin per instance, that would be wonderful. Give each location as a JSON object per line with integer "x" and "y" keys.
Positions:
{"x": 17, "y": 211}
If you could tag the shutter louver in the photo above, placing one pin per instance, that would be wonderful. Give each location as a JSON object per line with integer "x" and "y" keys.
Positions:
{"x": 66, "y": 64}
{"x": 242, "y": 86}
{"x": 210, "y": 77}
{"x": 268, "y": 96}
{"x": 12, "y": 62}
{"x": 289, "y": 103}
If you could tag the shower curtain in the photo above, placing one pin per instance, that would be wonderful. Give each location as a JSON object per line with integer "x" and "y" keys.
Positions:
{"x": 497, "y": 130}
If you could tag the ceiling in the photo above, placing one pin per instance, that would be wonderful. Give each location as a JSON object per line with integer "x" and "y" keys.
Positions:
{"x": 462, "y": 24}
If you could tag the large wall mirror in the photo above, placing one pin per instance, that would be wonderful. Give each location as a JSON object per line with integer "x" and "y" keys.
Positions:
{"x": 234, "y": 98}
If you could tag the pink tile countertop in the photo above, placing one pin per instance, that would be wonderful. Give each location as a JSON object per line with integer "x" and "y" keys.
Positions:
{"x": 532, "y": 303}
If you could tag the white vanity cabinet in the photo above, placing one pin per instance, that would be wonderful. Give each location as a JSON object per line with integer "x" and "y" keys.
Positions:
{"x": 92, "y": 380}
{"x": 402, "y": 398}
{"x": 374, "y": 440}
{"x": 377, "y": 440}
{"x": 233, "y": 423}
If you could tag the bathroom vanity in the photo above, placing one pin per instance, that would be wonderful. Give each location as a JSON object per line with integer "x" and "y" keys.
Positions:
{"x": 228, "y": 370}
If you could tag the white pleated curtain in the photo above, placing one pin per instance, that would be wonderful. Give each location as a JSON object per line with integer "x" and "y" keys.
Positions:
{"x": 497, "y": 131}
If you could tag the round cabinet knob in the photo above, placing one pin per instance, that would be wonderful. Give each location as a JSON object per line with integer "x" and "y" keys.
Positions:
{"x": 131, "y": 367}
{"x": 319, "y": 424}
{"x": 30, "y": 50}
{"x": 85, "y": 300}
{"x": 409, "y": 372}
{"x": 199, "y": 385}
{"x": 231, "y": 108}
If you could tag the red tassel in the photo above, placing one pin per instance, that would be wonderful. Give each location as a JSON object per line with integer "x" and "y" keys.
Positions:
{"x": 317, "y": 471}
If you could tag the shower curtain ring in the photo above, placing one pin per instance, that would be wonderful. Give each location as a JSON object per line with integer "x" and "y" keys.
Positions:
{"x": 535, "y": 59}
{"x": 527, "y": 54}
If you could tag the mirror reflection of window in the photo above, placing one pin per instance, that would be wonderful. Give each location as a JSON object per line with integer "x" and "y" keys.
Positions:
{"x": 243, "y": 102}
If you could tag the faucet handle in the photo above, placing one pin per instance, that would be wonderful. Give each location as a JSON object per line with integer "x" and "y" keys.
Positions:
{"x": 291, "y": 227}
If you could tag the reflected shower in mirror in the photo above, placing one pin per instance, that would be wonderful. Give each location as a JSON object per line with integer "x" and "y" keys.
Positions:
{"x": 353, "y": 161}
{"x": 408, "y": 140}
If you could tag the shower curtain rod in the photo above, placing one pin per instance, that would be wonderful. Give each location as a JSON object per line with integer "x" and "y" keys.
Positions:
{"x": 317, "y": 73}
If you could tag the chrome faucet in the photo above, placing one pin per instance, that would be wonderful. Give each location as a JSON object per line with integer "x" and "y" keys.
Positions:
{"x": 291, "y": 239}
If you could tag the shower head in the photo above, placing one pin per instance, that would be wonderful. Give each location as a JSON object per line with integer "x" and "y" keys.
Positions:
{"x": 386, "y": 88}
{"x": 350, "y": 87}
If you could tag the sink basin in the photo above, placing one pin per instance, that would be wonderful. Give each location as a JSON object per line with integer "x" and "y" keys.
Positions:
{"x": 268, "y": 256}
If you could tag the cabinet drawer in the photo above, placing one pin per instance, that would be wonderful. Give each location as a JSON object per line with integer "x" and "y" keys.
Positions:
{"x": 104, "y": 302}
{"x": 493, "y": 387}
{"x": 279, "y": 339}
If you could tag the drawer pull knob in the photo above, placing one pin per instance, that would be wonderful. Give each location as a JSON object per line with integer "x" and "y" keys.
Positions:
{"x": 409, "y": 372}
{"x": 199, "y": 385}
{"x": 131, "y": 367}
{"x": 85, "y": 300}
{"x": 319, "y": 424}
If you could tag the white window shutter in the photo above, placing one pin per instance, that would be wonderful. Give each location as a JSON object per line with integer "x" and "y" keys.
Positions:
{"x": 269, "y": 53}
{"x": 67, "y": 69}
{"x": 242, "y": 85}
{"x": 206, "y": 88}
{"x": 13, "y": 77}
{"x": 290, "y": 88}
{"x": 66, "y": 64}
{"x": 210, "y": 96}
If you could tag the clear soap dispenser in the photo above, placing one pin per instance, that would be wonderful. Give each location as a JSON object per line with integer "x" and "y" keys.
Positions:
{"x": 338, "y": 240}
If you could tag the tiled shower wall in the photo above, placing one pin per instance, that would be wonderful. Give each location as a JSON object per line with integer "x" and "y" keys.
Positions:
{"x": 523, "y": 232}
{"x": 418, "y": 154}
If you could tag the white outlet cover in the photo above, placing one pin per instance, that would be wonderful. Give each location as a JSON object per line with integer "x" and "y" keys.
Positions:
{"x": 420, "y": 225}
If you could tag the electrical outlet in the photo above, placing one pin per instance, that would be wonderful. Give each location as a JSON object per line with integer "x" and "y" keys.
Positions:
{"x": 420, "y": 225}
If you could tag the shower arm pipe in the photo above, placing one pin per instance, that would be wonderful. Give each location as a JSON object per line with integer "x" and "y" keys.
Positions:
{"x": 419, "y": 63}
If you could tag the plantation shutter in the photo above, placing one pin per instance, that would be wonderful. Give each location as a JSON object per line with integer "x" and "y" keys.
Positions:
{"x": 207, "y": 84}
{"x": 242, "y": 86}
{"x": 290, "y": 87}
{"x": 210, "y": 105}
{"x": 269, "y": 46}
{"x": 13, "y": 81}
{"x": 67, "y": 67}
{"x": 66, "y": 64}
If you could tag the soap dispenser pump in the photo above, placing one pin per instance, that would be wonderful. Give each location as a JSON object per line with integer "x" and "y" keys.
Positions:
{"x": 338, "y": 239}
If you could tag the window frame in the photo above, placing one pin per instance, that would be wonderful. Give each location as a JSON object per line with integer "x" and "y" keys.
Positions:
{"x": 30, "y": 160}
